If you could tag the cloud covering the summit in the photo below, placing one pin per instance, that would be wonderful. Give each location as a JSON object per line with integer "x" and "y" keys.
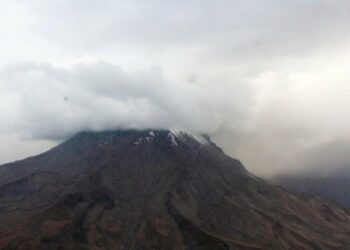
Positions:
{"x": 46, "y": 102}
{"x": 268, "y": 80}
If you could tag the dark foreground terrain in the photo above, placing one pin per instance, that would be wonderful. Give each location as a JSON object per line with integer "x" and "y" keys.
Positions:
{"x": 155, "y": 190}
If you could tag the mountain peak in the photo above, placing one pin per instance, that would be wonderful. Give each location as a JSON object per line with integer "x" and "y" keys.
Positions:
{"x": 173, "y": 137}
{"x": 155, "y": 189}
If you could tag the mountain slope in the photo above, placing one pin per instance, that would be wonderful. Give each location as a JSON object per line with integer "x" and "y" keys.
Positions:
{"x": 335, "y": 188}
{"x": 156, "y": 189}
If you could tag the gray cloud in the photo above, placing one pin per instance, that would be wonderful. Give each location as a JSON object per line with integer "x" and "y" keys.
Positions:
{"x": 224, "y": 29}
{"x": 53, "y": 103}
{"x": 327, "y": 159}
{"x": 267, "y": 79}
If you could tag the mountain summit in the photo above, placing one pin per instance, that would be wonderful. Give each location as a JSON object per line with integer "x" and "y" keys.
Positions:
{"x": 155, "y": 189}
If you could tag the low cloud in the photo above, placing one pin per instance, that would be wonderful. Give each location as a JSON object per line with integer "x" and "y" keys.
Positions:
{"x": 326, "y": 159}
{"x": 47, "y": 102}
{"x": 273, "y": 122}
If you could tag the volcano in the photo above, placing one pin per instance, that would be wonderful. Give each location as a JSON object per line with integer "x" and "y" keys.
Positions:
{"x": 155, "y": 189}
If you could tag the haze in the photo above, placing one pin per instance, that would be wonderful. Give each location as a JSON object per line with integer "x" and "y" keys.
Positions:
{"x": 267, "y": 80}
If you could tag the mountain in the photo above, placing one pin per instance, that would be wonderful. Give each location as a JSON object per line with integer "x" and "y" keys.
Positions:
{"x": 334, "y": 187}
{"x": 155, "y": 189}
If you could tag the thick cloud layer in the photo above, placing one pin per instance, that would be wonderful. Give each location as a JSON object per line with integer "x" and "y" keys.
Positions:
{"x": 268, "y": 80}
{"x": 45, "y": 102}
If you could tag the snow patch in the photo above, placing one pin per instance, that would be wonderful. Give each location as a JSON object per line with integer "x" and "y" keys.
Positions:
{"x": 173, "y": 140}
{"x": 180, "y": 134}
{"x": 143, "y": 140}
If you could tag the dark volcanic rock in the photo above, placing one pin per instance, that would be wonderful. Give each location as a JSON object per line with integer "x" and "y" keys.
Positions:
{"x": 155, "y": 190}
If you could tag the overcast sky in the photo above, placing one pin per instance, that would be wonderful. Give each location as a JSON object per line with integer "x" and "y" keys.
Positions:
{"x": 268, "y": 80}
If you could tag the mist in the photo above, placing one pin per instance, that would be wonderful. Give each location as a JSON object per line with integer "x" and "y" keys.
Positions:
{"x": 267, "y": 81}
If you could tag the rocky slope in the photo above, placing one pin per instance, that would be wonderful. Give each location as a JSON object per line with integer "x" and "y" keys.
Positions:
{"x": 156, "y": 189}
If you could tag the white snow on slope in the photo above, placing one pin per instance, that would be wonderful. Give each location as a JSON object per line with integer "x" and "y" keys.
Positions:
{"x": 146, "y": 139}
{"x": 176, "y": 134}
{"x": 173, "y": 140}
